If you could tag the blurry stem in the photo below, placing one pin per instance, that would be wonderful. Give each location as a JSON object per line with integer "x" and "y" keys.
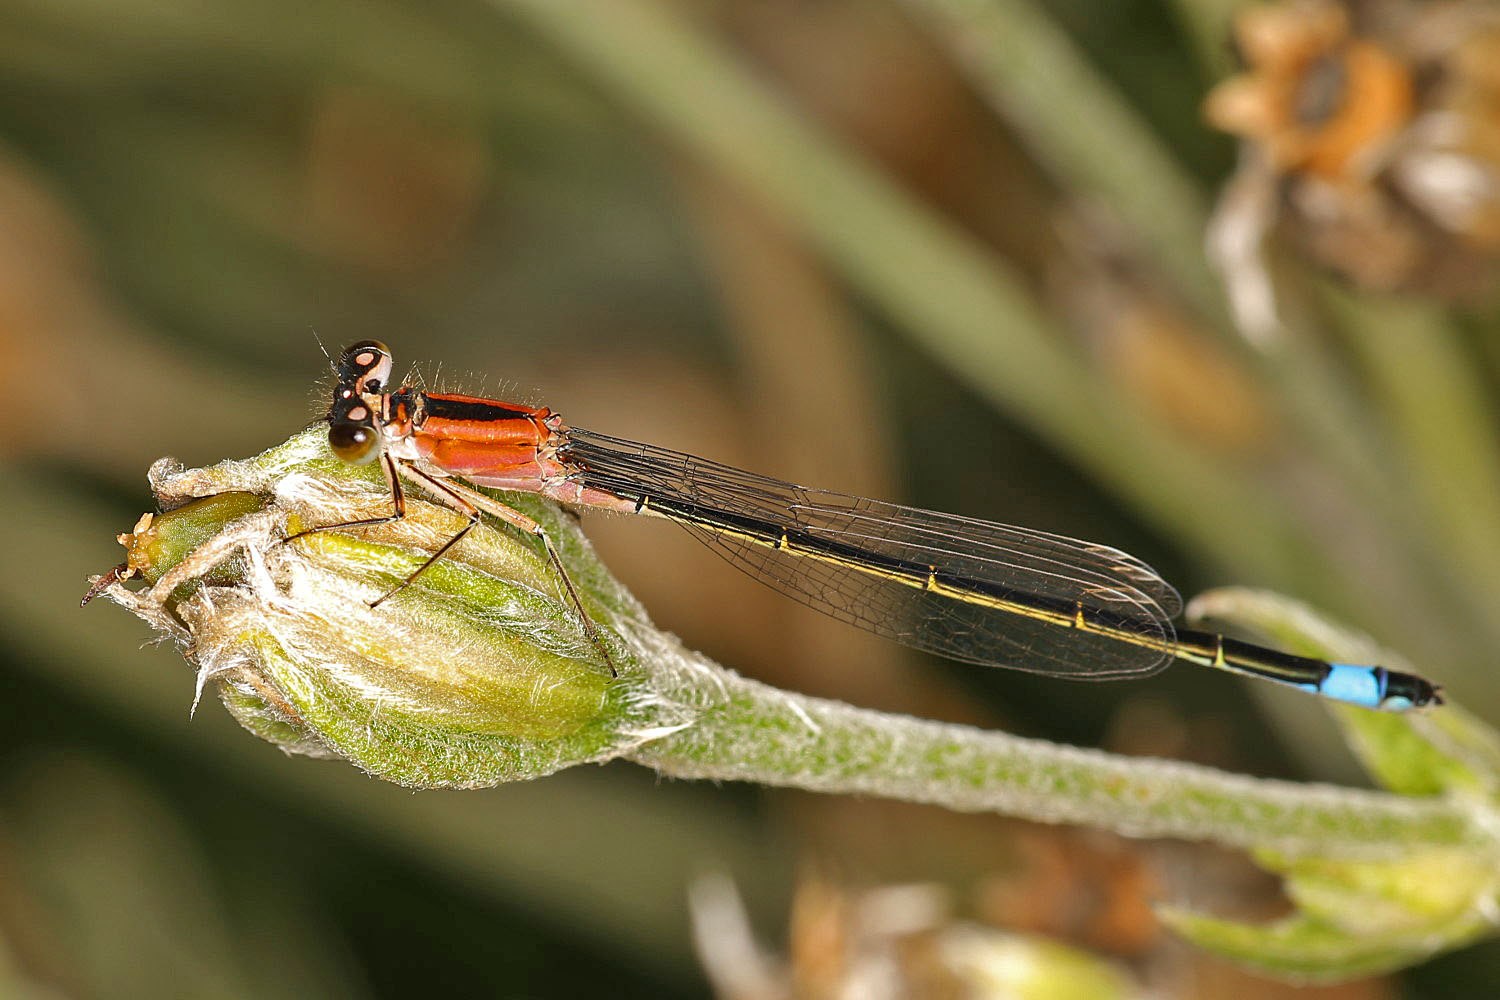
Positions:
{"x": 1429, "y": 392}
{"x": 951, "y": 295}
{"x": 1206, "y": 25}
{"x": 1081, "y": 129}
{"x": 750, "y": 732}
{"x": 798, "y": 341}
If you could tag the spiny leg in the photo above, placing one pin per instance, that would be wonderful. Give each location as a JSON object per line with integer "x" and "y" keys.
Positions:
{"x": 398, "y": 501}
{"x": 454, "y": 500}
{"x": 583, "y": 616}
{"x": 471, "y": 502}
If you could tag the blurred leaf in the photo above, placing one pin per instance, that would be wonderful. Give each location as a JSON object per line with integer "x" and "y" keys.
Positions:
{"x": 1356, "y": 918}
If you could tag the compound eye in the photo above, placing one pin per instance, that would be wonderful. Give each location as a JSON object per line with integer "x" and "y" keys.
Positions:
{"x": 357, "y": 444}
{"x": 365, "y": 366}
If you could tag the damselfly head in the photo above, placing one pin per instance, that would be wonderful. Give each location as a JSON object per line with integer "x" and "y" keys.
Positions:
{"x": 354, "y": 426}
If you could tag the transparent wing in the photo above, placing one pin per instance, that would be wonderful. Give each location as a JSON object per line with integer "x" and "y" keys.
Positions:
{"x": 847, "y": 556}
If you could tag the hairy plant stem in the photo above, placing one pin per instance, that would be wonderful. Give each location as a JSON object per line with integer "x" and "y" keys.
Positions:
{"x": 752, "y": 732}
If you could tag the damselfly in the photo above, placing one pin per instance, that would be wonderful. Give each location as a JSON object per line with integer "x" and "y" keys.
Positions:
{"x": 966, "y": 589}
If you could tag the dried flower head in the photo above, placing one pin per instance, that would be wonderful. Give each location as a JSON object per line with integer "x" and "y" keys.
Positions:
{"x": 1372, "y": 136}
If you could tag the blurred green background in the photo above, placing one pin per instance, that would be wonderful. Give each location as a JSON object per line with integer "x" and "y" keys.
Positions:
{"x": 949, "y": 254}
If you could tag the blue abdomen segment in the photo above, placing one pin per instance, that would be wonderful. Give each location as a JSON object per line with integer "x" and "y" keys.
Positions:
{"x": 1363, "y": 686}
{"x": 1375, "y": 687}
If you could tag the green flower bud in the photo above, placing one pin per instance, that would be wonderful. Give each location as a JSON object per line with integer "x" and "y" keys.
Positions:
{"x": 481, "y": 671}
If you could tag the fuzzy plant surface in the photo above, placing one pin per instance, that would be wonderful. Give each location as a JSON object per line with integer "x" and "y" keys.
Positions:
{"x": 482, "y": 672}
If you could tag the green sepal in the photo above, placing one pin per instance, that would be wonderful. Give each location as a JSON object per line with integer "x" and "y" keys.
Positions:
{"x": 161, "y": 541}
